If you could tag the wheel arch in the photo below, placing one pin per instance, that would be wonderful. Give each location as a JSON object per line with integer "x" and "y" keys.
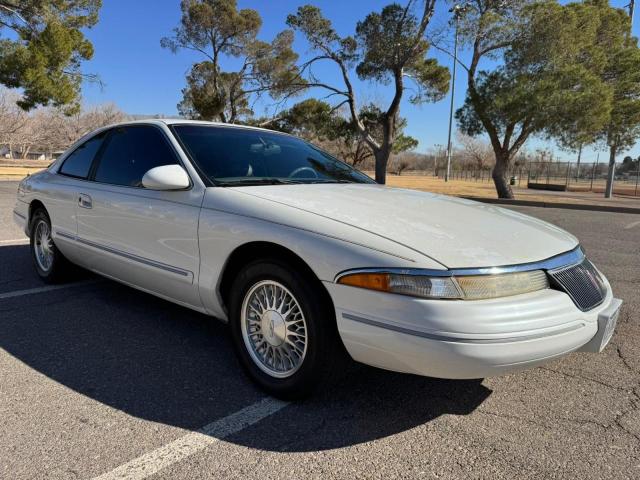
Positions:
{"x": 252, "y": 251}
{"x": 34, "y": 206}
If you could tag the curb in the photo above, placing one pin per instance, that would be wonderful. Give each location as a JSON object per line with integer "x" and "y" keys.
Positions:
{"x": 569, "y": 206}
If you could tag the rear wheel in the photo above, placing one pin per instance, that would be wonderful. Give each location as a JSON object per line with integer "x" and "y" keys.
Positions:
{"x": 50, "y": 264}
{"x": 283, "y": 329}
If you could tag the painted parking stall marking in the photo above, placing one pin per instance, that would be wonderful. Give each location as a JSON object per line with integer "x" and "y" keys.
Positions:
{"x": 47, "y": 288}
{"x": 631, "y": 225}
{"x": 152, "y": 462}
{"x": 15, "y": 241}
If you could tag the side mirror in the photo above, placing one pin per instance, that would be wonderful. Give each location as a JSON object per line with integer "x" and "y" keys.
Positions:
{"x": 166, "y": 177}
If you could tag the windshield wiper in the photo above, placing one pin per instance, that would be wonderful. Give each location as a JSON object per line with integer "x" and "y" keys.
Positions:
{"x": 255, "y": 181}
{"x": 249, "y": 181}
{"x": 330, "y": 180}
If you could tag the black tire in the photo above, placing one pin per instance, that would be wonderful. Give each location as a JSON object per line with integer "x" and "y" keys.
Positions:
{"x": 325, "y": 352}
{"x": 57, "y": 271}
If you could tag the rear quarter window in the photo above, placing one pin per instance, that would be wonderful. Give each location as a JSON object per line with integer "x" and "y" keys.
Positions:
{"x": 78, "y": 163}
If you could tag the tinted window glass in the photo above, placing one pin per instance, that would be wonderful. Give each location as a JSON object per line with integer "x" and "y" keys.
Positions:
{"x": 132, "y": 151}
{"x": 240, "y": 156}
{"x": 79, "y": 162}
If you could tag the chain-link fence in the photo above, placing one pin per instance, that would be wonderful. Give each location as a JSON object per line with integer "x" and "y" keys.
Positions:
{"x": 588, "y": 177}
{"x": 563, "y": 176}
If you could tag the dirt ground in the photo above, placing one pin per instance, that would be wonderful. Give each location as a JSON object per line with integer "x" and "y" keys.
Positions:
{"x": 484, "y": 189}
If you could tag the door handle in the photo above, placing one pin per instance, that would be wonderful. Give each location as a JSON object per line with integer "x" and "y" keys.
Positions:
{"x": 84, "y": 201}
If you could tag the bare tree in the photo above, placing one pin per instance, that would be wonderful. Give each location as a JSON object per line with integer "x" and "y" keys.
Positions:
{"x": 12, "y": 120}
{"x": 476, "y": 152}
{"x": 401, "y": 164}
{"x": 64, "y": 130}
{"x": 47, "y": 130}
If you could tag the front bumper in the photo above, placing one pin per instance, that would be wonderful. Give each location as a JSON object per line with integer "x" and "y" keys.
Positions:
{"x": 20, "y": 220}
{"x": 20, "y": 215}
{"x": 464, "y": 339}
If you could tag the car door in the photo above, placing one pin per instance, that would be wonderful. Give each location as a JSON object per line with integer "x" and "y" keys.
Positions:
{"x": 63, "y": 195}
{"x": 143, "y": 237}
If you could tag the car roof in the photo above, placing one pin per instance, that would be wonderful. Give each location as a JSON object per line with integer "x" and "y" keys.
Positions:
{"x": 181, "y": 121}
{"x": 164, "y": 121}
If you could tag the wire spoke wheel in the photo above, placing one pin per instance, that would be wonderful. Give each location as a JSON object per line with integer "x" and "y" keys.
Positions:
{"x": 274, "y": 329}
{"x": 43, "y": 246}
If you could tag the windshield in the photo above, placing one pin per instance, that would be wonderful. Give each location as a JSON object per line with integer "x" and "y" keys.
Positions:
{"x": 232, "y": 156}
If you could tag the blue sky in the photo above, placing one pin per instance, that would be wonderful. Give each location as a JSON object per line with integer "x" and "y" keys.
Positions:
{"x": 142, "y": 78}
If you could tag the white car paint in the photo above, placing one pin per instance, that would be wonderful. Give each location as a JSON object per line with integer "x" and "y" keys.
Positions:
{"x": 175, "y": 244}
{"x": 166, "y": 177}
{"x": 455, "y": 232}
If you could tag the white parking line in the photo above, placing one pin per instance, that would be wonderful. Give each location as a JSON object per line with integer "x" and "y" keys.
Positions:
{"x": 47, "y": 288}
{"x": 15, "y": 241}
{"x": 631, "y": 225}
{"x": 183, "y": 447}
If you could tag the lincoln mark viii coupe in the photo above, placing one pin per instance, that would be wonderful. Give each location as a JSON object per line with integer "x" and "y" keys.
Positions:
{"x": 307, "y": 258}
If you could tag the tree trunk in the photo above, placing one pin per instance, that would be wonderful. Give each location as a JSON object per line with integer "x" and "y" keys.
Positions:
{"x": 608, "y": 193}
{"x": 382, "y": 159}
{"x": 499, "y": 175}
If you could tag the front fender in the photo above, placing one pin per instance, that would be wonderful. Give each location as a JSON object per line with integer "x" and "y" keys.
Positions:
{"x": 221, "y": 233}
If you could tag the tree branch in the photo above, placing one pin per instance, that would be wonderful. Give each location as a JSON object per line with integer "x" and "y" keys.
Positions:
{"x": 525, "y": 132}
{"x": 477, "y": 101}
{"x": 13, "y": 10}
{"x": 429, "y": 7}
{"x": 447, "y": 52}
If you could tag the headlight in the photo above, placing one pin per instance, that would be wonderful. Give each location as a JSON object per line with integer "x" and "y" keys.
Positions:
{"x": 476, "y": 287}
{"x": 468, "y": 287}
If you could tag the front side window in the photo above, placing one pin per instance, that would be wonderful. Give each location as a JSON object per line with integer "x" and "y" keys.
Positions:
{"x": 78, "y": 163}
{"x": 131, "y": 152}
{"x": 233, "y": 156}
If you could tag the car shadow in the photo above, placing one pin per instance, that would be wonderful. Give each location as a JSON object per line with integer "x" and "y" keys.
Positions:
{"x": 17, "y": 272}
{"x": 160, "y": 362}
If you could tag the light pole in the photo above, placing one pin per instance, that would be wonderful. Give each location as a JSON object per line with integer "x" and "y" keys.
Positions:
{"x": 457, "y": 10}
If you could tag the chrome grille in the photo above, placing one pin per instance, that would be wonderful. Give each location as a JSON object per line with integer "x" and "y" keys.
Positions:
{"x": 582, "y": 283}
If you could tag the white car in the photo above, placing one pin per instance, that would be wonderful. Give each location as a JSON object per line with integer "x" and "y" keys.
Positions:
{"x": 304, "y": 256}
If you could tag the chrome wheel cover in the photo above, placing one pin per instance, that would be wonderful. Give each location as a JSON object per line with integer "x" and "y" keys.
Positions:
{"x": 274, "y": 329}
{"x": 43, "y": 245}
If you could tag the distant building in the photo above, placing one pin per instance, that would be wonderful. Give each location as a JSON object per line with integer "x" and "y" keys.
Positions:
{"x": 32, "y": 154}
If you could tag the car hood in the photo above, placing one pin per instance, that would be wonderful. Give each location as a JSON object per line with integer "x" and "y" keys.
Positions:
{"x": 457, "y": 233}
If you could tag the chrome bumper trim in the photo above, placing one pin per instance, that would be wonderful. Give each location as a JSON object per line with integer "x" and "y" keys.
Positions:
{"x": 571, "y": 257}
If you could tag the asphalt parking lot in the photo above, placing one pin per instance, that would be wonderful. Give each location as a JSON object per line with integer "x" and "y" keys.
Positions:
{"x": 99, "y": 379}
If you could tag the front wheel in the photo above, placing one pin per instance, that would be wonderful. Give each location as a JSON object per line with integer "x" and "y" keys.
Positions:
{"x": 283, "y": 329}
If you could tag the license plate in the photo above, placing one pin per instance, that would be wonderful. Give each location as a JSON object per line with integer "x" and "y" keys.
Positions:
{"x": 607, "y": 320}
{"x": 609, "y": 327}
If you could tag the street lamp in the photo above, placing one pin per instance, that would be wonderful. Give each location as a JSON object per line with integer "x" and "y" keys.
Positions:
{"x": 458, "y": 10}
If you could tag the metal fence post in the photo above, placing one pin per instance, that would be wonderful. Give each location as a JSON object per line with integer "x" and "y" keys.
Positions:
{"x": 548, "y": 173}
{"x": 637, "y": 177}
